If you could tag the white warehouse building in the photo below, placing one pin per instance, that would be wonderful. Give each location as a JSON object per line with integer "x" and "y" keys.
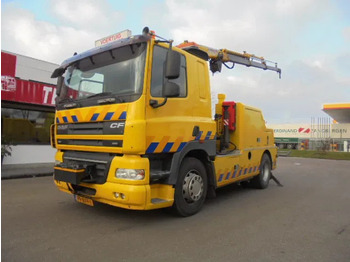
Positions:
{"x": 320, "y": 133}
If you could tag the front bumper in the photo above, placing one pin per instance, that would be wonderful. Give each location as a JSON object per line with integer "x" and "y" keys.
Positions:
{"x": 138, "y": 195}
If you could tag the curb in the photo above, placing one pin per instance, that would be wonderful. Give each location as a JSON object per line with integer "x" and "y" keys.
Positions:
{"x": 8, "y": 177}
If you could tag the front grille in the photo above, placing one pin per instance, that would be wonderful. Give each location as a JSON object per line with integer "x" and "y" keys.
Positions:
{"x": 81, "y": 142}
{"x": 96, "y": 128}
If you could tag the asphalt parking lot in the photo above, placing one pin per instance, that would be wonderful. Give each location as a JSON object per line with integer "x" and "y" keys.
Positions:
{"x": 306, "y": 220}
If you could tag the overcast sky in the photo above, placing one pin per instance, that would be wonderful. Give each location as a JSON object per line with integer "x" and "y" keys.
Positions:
{"x": 310, "y": 40}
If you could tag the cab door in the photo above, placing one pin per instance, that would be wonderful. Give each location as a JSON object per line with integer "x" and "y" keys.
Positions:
{"x": 168, "y": 127}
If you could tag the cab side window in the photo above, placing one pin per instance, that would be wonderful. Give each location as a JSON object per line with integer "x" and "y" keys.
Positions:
{"x": 158, "y": 79}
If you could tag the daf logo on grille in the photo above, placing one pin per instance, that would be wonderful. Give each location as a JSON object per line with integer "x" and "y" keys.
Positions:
{"x": 117, "y": 125}
{"x": 62, "y": 127}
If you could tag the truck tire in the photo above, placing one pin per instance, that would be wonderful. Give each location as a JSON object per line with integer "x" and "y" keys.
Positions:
{"x": 262, "y": 180}
{"x": 191, "y": 187}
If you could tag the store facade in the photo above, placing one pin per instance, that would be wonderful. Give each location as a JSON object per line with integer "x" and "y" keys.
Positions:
{"x": 27, "y": 108}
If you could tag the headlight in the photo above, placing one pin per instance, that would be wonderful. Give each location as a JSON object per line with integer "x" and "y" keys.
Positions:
{"x": 131, "y": 174}
{"x": 57, "y": 162}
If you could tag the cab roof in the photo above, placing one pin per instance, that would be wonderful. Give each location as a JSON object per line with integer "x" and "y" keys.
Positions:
{"x": 100, "y": 49}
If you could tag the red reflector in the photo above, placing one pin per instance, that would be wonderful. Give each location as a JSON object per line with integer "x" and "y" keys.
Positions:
{"x": 232, "y": 113}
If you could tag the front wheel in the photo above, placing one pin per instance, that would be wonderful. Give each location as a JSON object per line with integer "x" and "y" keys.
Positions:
{"x": 262, "y": 180}
{"x": 191, "y": 187}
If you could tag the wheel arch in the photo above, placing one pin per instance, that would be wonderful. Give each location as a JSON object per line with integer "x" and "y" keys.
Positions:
{"x": 205, "y": 152}
{"x": 203, "y": 156}
{"x": 268, "y": 153}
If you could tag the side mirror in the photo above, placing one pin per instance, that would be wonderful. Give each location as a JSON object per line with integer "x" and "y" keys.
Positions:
{"x": 58, "y": 72}
{"x": 171, "y": 89}
{"x": 172, "y": 65}
{"x": 59, "y": 85}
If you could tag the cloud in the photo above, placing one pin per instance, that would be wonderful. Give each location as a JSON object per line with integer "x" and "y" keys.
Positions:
{"x": 80, "y": 24}
{"x": 93, "y": 15}
{"x": 305, "y": 86}
{"x": 23, "y": 34}
{"x": 264, "y": 27}
{"x": 275, "y": 30}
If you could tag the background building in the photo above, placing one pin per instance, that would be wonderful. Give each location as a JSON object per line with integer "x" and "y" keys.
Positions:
{"x": 339, "y": 112}
{"x": 321, "y": 133}
{"x": 27, "y": 108}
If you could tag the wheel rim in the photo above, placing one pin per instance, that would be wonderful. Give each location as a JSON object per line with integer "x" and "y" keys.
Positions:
{"x": 192, "y": 188}
{"x": 266, "y": 171}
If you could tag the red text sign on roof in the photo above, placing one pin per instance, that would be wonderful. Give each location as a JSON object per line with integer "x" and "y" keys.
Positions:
{"x": 112, "y": 38}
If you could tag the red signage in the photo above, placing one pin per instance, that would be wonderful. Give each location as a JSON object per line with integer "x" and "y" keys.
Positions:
{"x": 8, "y": 64}
{"x": 304, "y": 130}
{"x": 112, "y": 38}
{"x": 18, "y": 90}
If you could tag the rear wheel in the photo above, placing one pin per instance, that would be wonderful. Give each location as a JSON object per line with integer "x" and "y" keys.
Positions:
{"x": 262, "y": 180}
{"x": 191, "y": 187}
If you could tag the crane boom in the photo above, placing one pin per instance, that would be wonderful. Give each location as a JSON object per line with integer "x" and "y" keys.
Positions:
{"x": 217, "y": 57}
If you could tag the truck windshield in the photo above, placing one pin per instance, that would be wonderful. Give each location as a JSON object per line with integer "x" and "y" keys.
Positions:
{"x": 114, "y": 73}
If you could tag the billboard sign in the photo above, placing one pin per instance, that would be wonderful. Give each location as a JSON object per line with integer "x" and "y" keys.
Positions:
{"x": 309, "y": 131}
{"x": 24, "y": 91}
{"x": 15, "y": 89}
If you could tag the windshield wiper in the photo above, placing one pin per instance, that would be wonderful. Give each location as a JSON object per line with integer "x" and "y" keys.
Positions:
{"x": 107, "y": 100}
{"x": 68, "y": 102}
{"x": 100, "y": 94}
{"x": 110, "y": 100}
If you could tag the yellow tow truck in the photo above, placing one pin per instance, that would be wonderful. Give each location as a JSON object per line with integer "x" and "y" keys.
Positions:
{"x": 134, "y": 126}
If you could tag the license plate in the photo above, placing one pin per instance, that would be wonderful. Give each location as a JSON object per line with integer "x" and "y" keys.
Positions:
{"x": 84, "y": 200}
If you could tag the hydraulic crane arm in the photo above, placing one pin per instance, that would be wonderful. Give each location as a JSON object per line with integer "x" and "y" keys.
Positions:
{"x": 218, "y": 57}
